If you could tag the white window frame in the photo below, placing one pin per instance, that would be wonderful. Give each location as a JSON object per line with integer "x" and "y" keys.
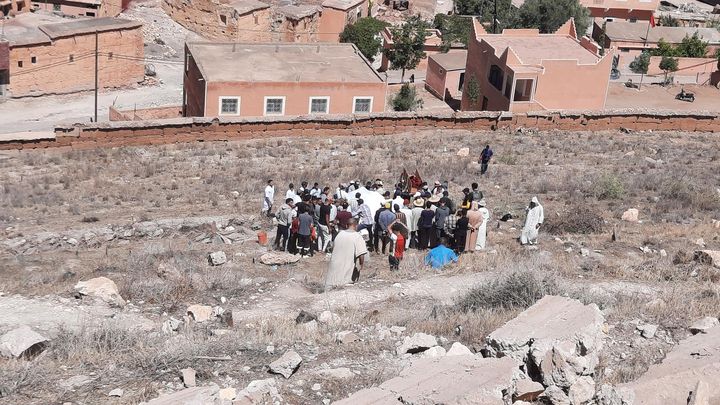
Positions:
{"x": 220, "y": 100}
{"x": 326, "y": 98}
{"x": 362, "y": 98}
{"x": 265, "y": 100}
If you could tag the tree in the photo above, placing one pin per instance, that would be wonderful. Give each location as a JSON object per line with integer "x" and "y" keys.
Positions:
{"x": 407, "y": 99}
{"x": 408, "y": 45}
{"x": 668, "y": 21}
{"x": 668, "y": 64}
{"x": 455, "y": 29}
{"x": 364, "y": 34}
{"x": 664, "y": 49}
{"x": 485, "y": 11}
{"x": 549, "y": 15}
{"x": 472, "y": 90}
{"x": 640, "y": 65}
{"x": 692, "y": 46}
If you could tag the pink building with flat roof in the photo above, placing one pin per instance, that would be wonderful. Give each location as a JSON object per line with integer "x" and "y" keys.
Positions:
{"x": 523, "y": 70}
{"x": 624, "y": 10}
{"x": 250, "y": 80}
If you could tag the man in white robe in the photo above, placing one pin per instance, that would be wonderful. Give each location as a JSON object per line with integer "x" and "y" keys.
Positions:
{"x": 534, "y": 218}
{"x": 482, "y": 231}
{"x": 268, "y": 197}
{"x": 349, "y": 248}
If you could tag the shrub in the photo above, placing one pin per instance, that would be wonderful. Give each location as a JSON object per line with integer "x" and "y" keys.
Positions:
{"x": 407, "y": 99}
{"x": 609, "y": 187}
{"x": 516, "y": 290}
{"x": 578, "y": 220}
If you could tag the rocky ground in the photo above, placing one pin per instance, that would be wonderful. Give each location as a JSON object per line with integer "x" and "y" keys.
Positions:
{"x": 114, "y": 290}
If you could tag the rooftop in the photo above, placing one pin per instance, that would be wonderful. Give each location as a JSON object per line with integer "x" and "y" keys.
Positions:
{"x": 23, "y": 29}
{"x": 637, "y": 32}
{"x": 87, "y": 26}
{"x": 299, "y": 12}
{"x": 341, "y": 4}
{"x": 453, "y": 60}
{"x": 282, "y": 62}
{"x": 533, "y": 49}
{"x": 622, "y": 4}
{"x": 247, "y": 6}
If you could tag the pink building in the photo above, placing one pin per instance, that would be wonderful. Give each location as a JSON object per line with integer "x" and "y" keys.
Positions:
{"x": 246, "y": 80}
{"x": 446, "y": 74}
{"x": 523, "y": 70}
{"x": 624, "y": 10}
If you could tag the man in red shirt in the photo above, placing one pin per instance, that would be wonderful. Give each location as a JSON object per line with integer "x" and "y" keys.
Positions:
{"x": 399, "y": 241}
{"x": 343, "y": 215}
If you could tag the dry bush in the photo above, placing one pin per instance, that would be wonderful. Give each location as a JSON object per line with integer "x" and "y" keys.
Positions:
{"x": 609, "y": 187}
{"x": 575, "y": 220}
{"x": 512, "y": 291}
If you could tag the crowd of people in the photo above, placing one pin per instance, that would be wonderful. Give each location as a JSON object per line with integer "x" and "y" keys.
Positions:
{"x": 354, "y": 219}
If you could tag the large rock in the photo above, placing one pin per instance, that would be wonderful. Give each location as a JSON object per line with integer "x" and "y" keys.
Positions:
{"x": 694, "y": 359}
{"x": 560, "y": 324}
{"x": 287, "y": 364}
{"x": 631, "y": 215}
{"x": 582, "y": 391}
{"x": 416, "y": 343}
{"x": 187, "y": 396}
{"x": 445, "y": 380}
{"x": 458, "y": 349}
{"x": 102, "y": 288}
{"x": 528, "y": 390}
{"x": 556, "y": 396}
{"x": 22, "y": 341}
{"x": 217, "y": 258}
{"x": 200, "y": 313}
{"x": 258, "y": 392}
{"x": 278, "y": 258}
{"x": 556, "y": 370}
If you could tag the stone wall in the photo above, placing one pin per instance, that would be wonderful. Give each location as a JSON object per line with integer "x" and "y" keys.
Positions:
{"x": 214, "y": 129}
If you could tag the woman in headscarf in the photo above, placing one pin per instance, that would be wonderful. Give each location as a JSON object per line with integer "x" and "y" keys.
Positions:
{"x": 475, "y": 219}
{"x": 482, "y": 230}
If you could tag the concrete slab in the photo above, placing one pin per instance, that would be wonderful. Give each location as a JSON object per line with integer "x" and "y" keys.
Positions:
{"x": 694, "y": 362}
{"x": 467, "y": 379}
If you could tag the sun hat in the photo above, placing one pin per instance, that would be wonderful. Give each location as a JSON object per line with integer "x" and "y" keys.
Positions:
{"x": 481, "y": 202}
{"x": 419, "y": 202}
{"x": 434, "y": 199}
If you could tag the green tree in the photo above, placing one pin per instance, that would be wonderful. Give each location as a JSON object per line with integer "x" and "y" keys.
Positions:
{"x": 668, "y": 64}
{"x": 407, "y": 99}
{"x": 664, "y": 49}
{"x": 472, "y": 90}
{"x": 485, "y": 11}
{"x": 455, "y": 29}
{"x": 549, "y": 15}
{"x": 668, "y": 21}
{"x": 365, "y": 35}
{"x": 692, "y": 46}
{"x": 408, "y": 45}
{"x": 640, "y": 65}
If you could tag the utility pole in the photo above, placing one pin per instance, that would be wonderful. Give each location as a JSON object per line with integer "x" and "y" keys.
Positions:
{"x": 495, "y": 17}
{"x": 96, "y": 75}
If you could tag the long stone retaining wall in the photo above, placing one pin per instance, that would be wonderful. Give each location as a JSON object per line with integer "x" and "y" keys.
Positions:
{"x": 214, "y": 129}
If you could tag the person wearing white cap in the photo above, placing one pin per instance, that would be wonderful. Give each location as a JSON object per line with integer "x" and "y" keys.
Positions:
{"x": 482, "y": 231}
{"x": 534, "y": 218}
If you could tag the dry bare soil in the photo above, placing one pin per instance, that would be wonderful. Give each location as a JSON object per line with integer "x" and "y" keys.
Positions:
{"x": 69, "y": 216}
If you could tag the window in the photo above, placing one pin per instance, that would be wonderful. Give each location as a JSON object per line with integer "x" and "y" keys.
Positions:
{"x": 496, "y": 77}
{"x": 274, "y": 105}
{"x": 110, "y": 55}
{"x": 508, "y": 86}
{"x": 319, "y": 105}
{"x": 362, "y": 105}
{"x": 71, "y": 58}
{"x": 462, "y": 81}
{"x": 33, "y": 59}
{"x": 20, "y": 63}
{"x": 223, "y": 19}
{"x": 523, "y": 89}
{"x": 229, "y": 105}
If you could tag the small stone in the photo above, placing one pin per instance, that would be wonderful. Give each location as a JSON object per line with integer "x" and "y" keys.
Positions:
{"x": 528, "y": 390}
{"x": 435, "y": 351}
{"x": 305, "y": 317}
{"x": 217, "y": 258}
{"x": 703, "y": 325}
{"x": 647, "y": 331}
{"x": 200, "y": 313}
{"x": 316, "y": 387}
{"x": 287, "y": 364}
{"x": 463, "y": 152}
{"x": 102, "y": 288}
{"x": 117, "y": 392}
{"x": 346, "y": 337}
{"x": 700, "y": 242}
{"x": 631, "y": 215}
{"x": 582, "y": 391}
{"x": 171, "y": 325}
{"x": 556, "y": 395}
{"x": 419, "y": 342}
{"x": 311, "y": 326}
{"x": 458, "y": 349}
{"x": 227, "y": 394}
{"x": 270, "y": 349}
{"x": 188, "y": 377}
{"x": 397, "y": 330}
{"x": 22, "y": 341}
{"x": 328, "y": 317}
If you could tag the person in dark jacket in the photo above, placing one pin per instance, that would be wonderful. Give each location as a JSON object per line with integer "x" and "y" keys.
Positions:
{"x": 461, "y": 229}
{"x": 485, "y": 157}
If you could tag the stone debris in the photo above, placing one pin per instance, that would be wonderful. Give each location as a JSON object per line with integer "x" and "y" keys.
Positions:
{"x": 171, "y": 325}
{"x": 463, "y": 152}
{"x": 102, "y": 288}
{"x": 703, "y": 325}
{"x": 311, "y": 327}
{"x": 187, "y": 396}
{"x": 445, "y": 380}
{"x": 458, "y": 349}
{"x": 188, "y": 377}
{"x": 435, "y": 351}
{"x": 647, "y": 331}
{"x": 528, "y": 390}
{"x": 708, "y": 257}
{"x": 340, "y": 373}
{"x": 74, "y": 382}
{"x": 22, "y": 342}
{"x": 328, "y": 317}
{"x": 556, "y": 396}
{"x": 217, "y": 258}
{"x": 631, "y": 215}
{"x": 278, "y": 258}
{"x": 419, "y": 342}
{"x": 258, "y": 392}
{"x": 227, "y": 394}
{"x": 346, "y": 337}
{"x": 305, "y": 317}
{"x": 200, "y": 313}
{"x": 582, "y": 391}
{"x": 287, "y": 364}
{"x": 117, "y": 392}
{"x": 671, "y": 381}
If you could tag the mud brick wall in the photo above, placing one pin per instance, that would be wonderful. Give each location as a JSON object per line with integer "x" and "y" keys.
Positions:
{"x": 123, "y": 133}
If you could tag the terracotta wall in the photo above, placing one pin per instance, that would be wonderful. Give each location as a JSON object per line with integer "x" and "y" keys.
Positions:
{"x": 332, "y": 23}
{"x": 108, "y": 8}
{"x": 205, "y": 129}
{"x": 54, "y": 73}
{"x": 145, "y": 114}
{"x": 435, "y": 79}
{"x": 205, "y": 17}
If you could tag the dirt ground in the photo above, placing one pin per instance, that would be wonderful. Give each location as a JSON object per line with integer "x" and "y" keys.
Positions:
{"x": 60, "y": 206}
{"x": 655, "y": 97}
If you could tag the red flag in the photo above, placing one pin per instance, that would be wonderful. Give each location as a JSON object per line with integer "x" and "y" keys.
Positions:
{"x": 652, "y": 20}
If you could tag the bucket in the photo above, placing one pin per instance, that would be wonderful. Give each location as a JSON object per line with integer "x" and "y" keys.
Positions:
{"x": 262, "y": 238}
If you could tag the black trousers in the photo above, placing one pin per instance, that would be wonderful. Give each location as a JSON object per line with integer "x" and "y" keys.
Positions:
{"x": 304, "y": 244}
{"x": 281, "y": 237}
{"x": 424, "y": 237}
{"x": 483, "y": 167}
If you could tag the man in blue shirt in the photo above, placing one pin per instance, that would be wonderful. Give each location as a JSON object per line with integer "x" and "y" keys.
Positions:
{"x": 441, "y": 255}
